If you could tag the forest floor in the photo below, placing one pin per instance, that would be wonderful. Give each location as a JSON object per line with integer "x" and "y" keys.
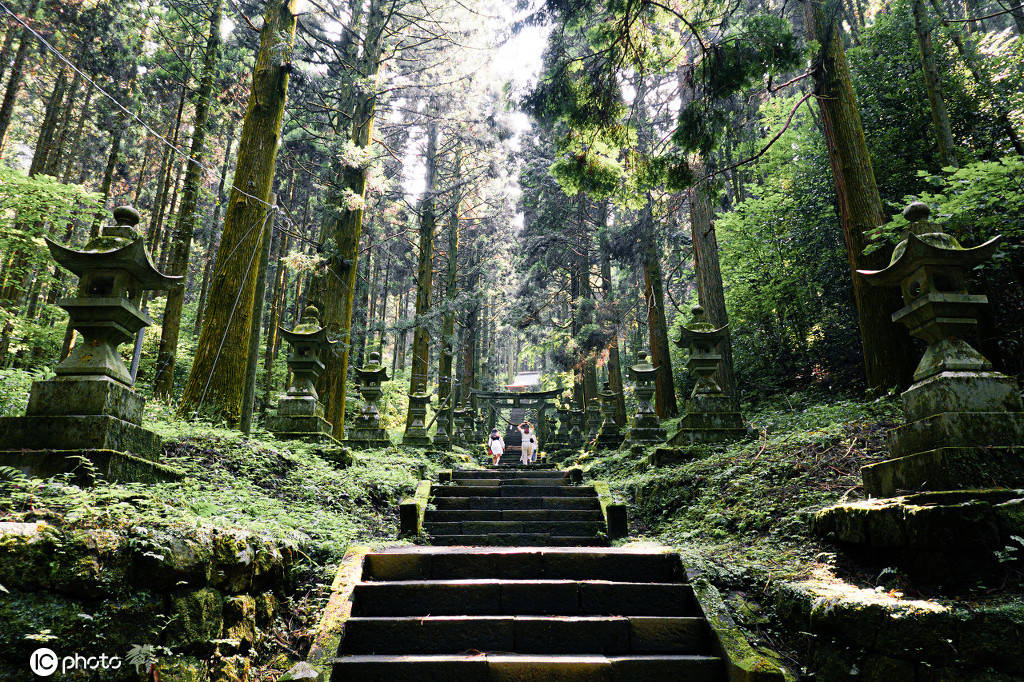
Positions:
{"x": 736, "y": 514}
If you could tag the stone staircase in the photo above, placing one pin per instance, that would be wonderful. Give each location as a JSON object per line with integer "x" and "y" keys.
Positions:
{"x": 514, "y": 505}
{"x": 471, "y": 614}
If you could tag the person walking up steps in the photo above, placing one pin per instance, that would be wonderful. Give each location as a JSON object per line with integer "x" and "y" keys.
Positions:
{"x": 496, "y": 444}
{"x": 530, "y": 444}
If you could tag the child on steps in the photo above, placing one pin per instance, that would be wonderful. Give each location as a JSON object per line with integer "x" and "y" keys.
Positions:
{"x": 496, "y": 444}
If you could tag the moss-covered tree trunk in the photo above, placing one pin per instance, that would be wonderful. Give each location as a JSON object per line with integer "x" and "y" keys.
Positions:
{"x": 424, "y": 275}
{"x": 888, "y": 352}
{"x": 336, "y": 293}
{"x": 213, "y": 239}
{"x": 186, "y": 223}
{"x": 657, "y": 326}
{"x": 218, "y": 373}
{"x": 940, "y": 116}
{"x": 471, "y": 326}
{"x": 708, "y": 270}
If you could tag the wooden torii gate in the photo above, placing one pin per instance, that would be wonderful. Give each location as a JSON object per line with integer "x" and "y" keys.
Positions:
{"x": 492, "y": 401}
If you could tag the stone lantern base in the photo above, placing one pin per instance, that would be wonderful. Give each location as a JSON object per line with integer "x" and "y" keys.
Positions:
{"x": 935, "y": 537}
{"x": 300, "y": 417}
{"x": 649, "y": 432}
{"x": 97, "y": 418}
{"x": 709, "y": 419}
{"x": 964, "y": 429}
{"x": 608, "y": 439}
{"x": 367, "y": 436}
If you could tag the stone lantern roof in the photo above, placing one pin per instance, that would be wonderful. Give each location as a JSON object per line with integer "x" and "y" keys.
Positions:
{"x": 118, "y": 247}
{"x": 643, "y": 370}
{"x": 700, "y": 329}
{"x": 308, "y": 330}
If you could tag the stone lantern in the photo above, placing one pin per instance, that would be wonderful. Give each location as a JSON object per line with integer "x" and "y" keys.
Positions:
{"x": 299, "y": 412}
{"x": 416, "y": 423}
{"x": 646, "y": 427}
{"x": 943, "y": 508}
{"x": 712, "y": 416}
{"x": 91, "y": 407}
{"x": 593, "y": 418}
{"x": 609, "y": 437}
{"x": 459, "y": 426}
{"x": 560, "y": 437}
{"x": 366, "y": 431}
{"x": 957, "y": 406}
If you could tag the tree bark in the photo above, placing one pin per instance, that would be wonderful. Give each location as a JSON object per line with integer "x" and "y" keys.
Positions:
{"x": 614, "y": 362}
{"x": 185, "y": 228}
{"x": 217, "y": 377}
{"x": 444, "y": 368}
{"x": 76, "y": 138}
{"x": 940, "y": 116}
{"x": 888, "y": 352}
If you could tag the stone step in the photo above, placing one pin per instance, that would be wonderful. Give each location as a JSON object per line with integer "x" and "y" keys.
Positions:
{"x": 519, "y": 540}
{"x": 516, "y": 514}
{"x": 512, "y": 490}
{"x": 467, "y": 474}
{"x": 505, "y": 502}
{"x": 559, "y": 527}
{"x": 548, "y": 481}
{"x": 492, "y": 597}
{"x": 516, "y": 465}
{"x": 476, "y": 667}
{"x": 426, "y": 563}
{"x": 526, "y": 634}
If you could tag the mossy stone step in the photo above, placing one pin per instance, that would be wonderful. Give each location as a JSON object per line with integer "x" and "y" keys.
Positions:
{"x": 486, "y": 597}
{"x": 519, "y": 540}
{"x": 506, "y": 502}
{"x": 512, "y": 491}
{"x": 526, "y": 634}
{"x": 516, "y": 514}
{"x": 468, "y": 474}
{"x": 490, "y": 667}
{"x": 558, "y": 527}
{"x": 547, "y": 481}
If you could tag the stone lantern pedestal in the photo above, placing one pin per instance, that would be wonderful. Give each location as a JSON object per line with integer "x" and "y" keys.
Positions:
{"x": 299, "y": 412}
{"x": 593, "y": 418}
{"x": 560, "y": 435}
{"x": 576, "y": 427}
{"x": 91, "y": 407}
{"x": 646, "y": 427}
{"x": 609, "y": 436}
{"x": 712, "y": 416}
{"x": 949, "y": 509}
{"x": 366, "y": 431}
{"x": 416, "y": 424}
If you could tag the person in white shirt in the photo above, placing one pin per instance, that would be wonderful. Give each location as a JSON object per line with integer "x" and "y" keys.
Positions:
{"x": 530, "y": 443}
{"x": 496, "y": 444}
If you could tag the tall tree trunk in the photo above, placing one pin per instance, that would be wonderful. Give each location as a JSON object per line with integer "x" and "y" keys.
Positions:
{"x": 888, "y": 351}
{"x": 108, "y": 174}
{"x": 44, "y": 143}
{"x": 424, "y": 275}
{"x": 363, "y": 302}
{"x": 710, "y": 290}
{"x": 25, "y": 43}
{"x": 940, "y": 116}
{"x": 276, "y": 305}
{"x": 657, "y": 326}
{"x": 76, "y": 138}
{"x": 337, "y": 292}
{"x": 445, "y": 399}
{"x": 60, "y": 137}
{"x": 166, "y": 186}
{"x": 614, "y": 362}
{"x": 186, "y": 221}
{"x": 213, "y": 240}
{"x": 216, "y": 381}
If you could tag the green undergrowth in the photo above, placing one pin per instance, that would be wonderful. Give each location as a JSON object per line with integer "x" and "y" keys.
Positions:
{"x": 736, "y": 511}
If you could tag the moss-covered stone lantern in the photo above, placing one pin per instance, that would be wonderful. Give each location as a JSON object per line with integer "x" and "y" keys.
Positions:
{"x": 593, "y": 418}
{"x": 299, "y": 412}
{"x": 416, "y": 422}
{"x": 712, "y": 416}
{"x": 646, "y": 427}
{"x": 609, "y": 437}
{"x": 957, "y": 407}
{"x": 366, "y": 431}
{"x": 91, "y": 407}
{"x": 576, "y": 427}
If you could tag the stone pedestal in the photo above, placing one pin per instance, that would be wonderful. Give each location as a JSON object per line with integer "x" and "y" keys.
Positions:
{"x": 560, "y": 436}
{"x": 593, "y": 418}
{"x": 366, "y": 431}
{"x": 646, "y": 427}
{"x": 712, "y": 415}
{"x": 90, "y": 409}
{"x": 609, "y": 436}
{"x": 576, "y": 428}
{"x": 416, "y": 426}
